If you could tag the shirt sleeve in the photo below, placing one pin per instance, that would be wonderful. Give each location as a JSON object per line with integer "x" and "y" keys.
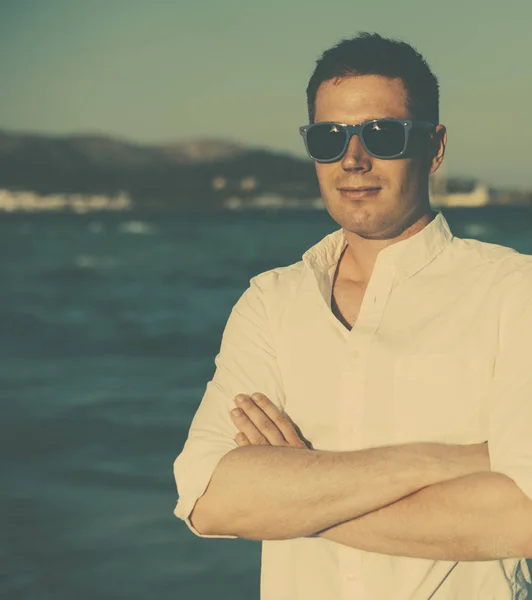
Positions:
{"x": 246, "y": 363}
{"x": 510, "y": 428}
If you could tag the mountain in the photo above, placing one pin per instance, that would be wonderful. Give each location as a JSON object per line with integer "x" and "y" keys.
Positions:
{"x": 199, "y": 174}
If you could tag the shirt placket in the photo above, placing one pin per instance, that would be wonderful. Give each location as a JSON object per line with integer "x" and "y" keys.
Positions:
{"x": 358, "y": 346}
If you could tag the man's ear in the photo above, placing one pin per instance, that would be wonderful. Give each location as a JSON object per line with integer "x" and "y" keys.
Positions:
{"x": 437, "y": 144}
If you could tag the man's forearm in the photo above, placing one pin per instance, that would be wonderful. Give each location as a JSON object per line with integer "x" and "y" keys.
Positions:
{"x": 482, "y": 516}
{"x": 264, "y": 492}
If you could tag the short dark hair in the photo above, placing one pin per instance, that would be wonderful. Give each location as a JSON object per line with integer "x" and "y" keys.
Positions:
{"x": 372, "y": 54}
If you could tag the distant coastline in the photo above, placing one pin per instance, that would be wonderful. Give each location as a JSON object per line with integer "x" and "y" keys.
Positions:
{"x": 99, "y": 173}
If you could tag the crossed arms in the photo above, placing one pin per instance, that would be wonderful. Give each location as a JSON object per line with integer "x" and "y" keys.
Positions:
{"x": 424, "y": 500}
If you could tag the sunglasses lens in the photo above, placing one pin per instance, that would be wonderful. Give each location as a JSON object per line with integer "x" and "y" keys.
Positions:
{"x": 384, "y": 138}
{"x": 325, "y": 141}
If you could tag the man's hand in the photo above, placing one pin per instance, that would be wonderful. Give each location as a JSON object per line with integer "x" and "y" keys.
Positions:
{"x": 261, "y": 423}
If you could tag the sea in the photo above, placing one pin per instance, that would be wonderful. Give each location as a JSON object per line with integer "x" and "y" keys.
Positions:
{"x": 109, "y": 325}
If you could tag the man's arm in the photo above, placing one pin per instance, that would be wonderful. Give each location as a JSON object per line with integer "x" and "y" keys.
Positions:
{"x": 481, "y": 516}
{"x": 266, "y": 492}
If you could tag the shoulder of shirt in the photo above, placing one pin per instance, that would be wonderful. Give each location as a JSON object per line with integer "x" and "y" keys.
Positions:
{"x": 279, "y": 284}
{"x": 288, "y": 273}
{"x": 489, "y": 252}
{"x": 280, "y": 275}
{"x": 508, "y": 265}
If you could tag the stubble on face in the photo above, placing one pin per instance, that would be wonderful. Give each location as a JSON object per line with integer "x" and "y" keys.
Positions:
{"x": 400, "y": 207}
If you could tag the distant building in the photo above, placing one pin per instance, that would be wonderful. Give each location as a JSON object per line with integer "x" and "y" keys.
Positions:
{"x": 11, "y": 201}
{"x": 457, "y": 192}
{"x": 248, "y": 183}
{"x": 479, "y": 196}
{"x": 219, "y": 183}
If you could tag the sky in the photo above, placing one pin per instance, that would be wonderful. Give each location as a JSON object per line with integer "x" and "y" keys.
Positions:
{"x": 156, "y": 71}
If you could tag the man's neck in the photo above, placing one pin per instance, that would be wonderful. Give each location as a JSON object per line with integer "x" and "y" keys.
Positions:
{"x": 358, "y": 261}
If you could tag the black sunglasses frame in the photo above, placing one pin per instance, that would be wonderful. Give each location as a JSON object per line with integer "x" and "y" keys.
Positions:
{"x": 351, "y": 130}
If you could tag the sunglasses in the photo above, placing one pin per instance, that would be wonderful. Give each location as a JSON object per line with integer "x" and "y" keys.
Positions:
{"x": 327, "y": 142}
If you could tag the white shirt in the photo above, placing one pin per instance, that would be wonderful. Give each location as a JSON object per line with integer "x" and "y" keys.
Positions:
{"x": 459, "y": 310}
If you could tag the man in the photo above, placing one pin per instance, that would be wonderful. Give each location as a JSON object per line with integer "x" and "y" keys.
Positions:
{"x": 380, "y": 365}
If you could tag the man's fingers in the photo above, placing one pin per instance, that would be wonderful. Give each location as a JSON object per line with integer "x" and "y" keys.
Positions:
{"x": 285, "y": 424}
{"x": 241, "y": 439}
{"x": 280, "y": 420}
{"x": 249, "y": 430}
{"x": 257, "y": 426}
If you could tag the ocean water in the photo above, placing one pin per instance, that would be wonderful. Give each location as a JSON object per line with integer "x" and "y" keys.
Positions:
{"x": 109, "y": 324}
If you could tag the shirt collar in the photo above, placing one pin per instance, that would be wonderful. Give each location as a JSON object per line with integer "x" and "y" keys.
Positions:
{"x": 408, "y": 256}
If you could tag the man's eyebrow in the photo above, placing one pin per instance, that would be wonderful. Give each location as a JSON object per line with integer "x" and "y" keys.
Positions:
{"x": 365, "y": 120}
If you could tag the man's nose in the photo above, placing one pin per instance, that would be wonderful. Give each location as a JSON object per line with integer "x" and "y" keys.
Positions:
{"x": 356, "y": 158}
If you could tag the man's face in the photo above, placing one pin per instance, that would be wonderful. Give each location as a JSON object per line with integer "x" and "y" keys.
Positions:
{"x": 403, "y": 195}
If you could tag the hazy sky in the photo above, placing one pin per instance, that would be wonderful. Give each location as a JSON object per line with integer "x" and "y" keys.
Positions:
{"x": 172, "y": 70}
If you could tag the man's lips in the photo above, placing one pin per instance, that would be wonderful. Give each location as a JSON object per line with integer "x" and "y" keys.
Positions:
{"x": 358, "y": 189}
{"x": 358, "y": 193}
